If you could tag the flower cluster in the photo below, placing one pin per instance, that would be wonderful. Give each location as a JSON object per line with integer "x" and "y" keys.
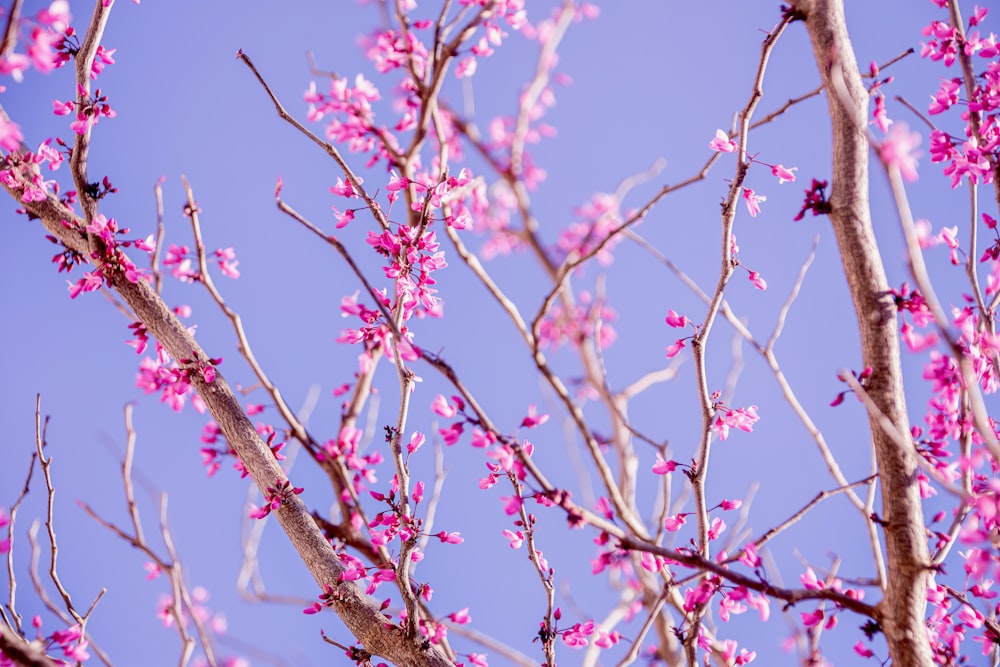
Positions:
{"x": 275, "y": 496}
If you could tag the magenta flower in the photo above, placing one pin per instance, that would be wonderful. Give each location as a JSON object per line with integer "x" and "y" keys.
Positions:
{"x": 879, "y": 114}
{"x": 441, "y": 407}
{"x": 533, "y": 419}
{"x": 10, "y": 135}
{"x": 4, "y": 521}
{"x": 516, "y": 538}
{"x": 753, "y": 201}
{"x": 749, "y": 557}
{"x": 675, "y": 349}
{"x": 784, "y": 175}
{"x": 722, "y": 143}
{"x": 675, "y": 320}
{"x": 757, "y": 281}
{"x": 899, "y": 150}
{"x": 674, "y": 523}
{"x": 343, "y": 219}
{"x": 811, "y": 619}
{"x": 662, "y": 467}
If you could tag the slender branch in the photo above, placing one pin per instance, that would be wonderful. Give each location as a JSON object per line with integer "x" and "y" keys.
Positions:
{"x": 329, "y": 148}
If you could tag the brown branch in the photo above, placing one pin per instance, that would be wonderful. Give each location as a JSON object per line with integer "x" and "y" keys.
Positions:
{"x": 23, "y": 652}
{"x": 329, "y": 148}
{"x": 362, "y": 617}
{"x": 905, "y": 599}
{"x": 10, "y": 30}
{"x": 789, "y": 595}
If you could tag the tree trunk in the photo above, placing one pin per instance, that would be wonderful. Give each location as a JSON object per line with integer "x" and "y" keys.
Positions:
{"x": 903, "y": 606}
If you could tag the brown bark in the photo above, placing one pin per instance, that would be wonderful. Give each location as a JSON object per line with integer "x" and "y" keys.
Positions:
{"x": 376, "y": 633}
{"x": 903, "y": 607}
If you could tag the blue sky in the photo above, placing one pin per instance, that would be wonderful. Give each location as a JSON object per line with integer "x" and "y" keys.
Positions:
{"x": 651, "y": 80}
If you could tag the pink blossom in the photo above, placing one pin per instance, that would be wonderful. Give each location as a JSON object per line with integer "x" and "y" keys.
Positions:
{"x": 10, "y": 135}
{"x": 533, "y": 419}
{"x": 226, "y": 258}
{"x": 675, "y": 320}
{"x": 56, "y": 15}
{"x": 784, "y": 175}
{"x": 674, "y": 523}
{"x": 757, "y": 281}
{"x": 466, "y": 67}
{"x": 741, "y": 418}
{"x": 675, "y": 349}
{"x": 722, "y": 143}
{"x": 343, "y": 219}
{"x": 879, "y": 114}
{"x": 450, "y": 538}
{"x": 946, "y": 96}
{"x": 662, "y": 467}
{"x": 717, "y": 527}
{"x": 416, "y": 440}
{"x": 813, "y": 618}
{"x": 460, "y": 617}
{"x": 899, "y": 150}
{"x": 440, "y": 406}
{"x": 810, "y": 581}
{"x": 516, "y": 538}
{"x": 753, "y": 201}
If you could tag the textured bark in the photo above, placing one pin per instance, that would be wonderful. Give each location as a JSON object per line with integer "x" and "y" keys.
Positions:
{"x": 903, "y": 606}
{"x": 21, "y": 651}
{"x": 376, "y": 633}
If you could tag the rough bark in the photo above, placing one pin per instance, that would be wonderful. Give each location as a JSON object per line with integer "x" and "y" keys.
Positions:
{"x": 376, "y": 633}
{"x": 903, "y": 606}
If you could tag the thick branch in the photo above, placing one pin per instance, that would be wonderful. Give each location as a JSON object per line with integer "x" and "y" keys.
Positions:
{"x": 903, "y": 607}
{"x": 376, "y": 632}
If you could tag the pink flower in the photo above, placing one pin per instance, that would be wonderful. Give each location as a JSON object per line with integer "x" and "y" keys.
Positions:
{"x": 674, "y": 523}
{"x": 10, "y": 135}
{"x": 466, "y": 67}
{"x": 784, "y": 175}
{"x": 811, "y": 619}
{"x": 662, "y": 467}
{"x": 460, "y": 617}
{"x": 675, "y": 349}
{"x": 882, "y": 120}
{"x": 757, "y": 281}
{"x": 675, "y": 320}
{"x": 441, "y": 407}
{"x": 810, "y": 581}
{"x": 741, "y": 418}
{"x": 899, "y": 150}
{"x": 343, "y": 219}
{"x": 753, "y": 201}
{"x": 749, "y": 557}
{"x": 516, "y": 538}
{"x": 722, "y": 143}
{"x": 533, "y": 419}
{"x": 861, "y": 650}
{"x": 228, "y": 262}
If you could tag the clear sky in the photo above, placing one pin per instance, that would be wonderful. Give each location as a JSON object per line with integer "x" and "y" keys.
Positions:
{"x": 650, "y": 80}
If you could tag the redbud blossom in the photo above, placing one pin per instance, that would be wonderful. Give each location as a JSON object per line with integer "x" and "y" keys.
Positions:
{"x": 722, "y": 143}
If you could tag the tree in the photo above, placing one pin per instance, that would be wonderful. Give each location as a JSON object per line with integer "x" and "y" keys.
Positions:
{"x": 477, "y": 321}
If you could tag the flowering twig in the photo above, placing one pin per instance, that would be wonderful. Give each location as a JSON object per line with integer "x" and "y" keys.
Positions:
{"x": 329, "y": 148}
